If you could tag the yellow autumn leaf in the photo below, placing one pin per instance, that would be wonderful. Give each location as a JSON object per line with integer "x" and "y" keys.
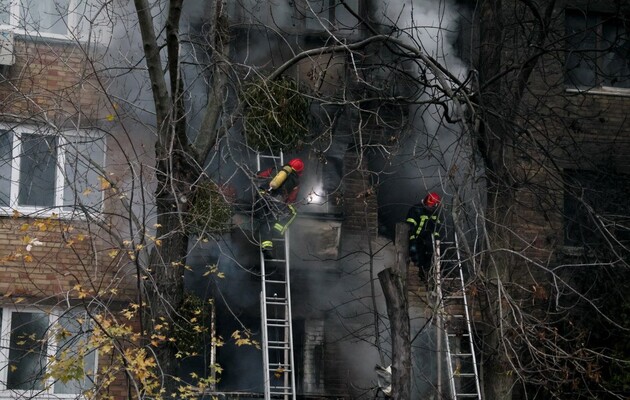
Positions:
{"x": 24, "y": 227}
{"x": 105, "y": 184}
{"x": 113, "y": 253}
{"x": 110, "y": 117}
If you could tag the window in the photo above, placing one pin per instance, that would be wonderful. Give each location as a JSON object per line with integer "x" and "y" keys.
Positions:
{"x": 320, "y": 15}
{"x": 598, "y": 50}
{"x": 61, "y": 19}
{"x": 297, "y": 16}
{"x": 41, "y": 172}
{"x": 596, "y": 210}
{"x": 30, "y": 338}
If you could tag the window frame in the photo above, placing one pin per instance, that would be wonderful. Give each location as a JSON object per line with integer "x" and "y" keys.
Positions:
{"x": 73, "y": 20}
{"x": 58, "y": 207}
{"x": 601, "y": 51}
{"x": 52, "y": 345}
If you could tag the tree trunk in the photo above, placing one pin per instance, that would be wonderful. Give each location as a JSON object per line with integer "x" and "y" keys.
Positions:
{"x": 394, "y": 283}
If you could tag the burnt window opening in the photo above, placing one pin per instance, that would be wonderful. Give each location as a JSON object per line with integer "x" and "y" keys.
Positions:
{"x": 597, "y": 50}
{"x": 323, "y": 15}
{"x": 596, "y": 211}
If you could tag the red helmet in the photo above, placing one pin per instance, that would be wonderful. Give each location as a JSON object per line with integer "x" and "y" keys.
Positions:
{"x": 432, "y": 200}
{"x": 297, "y": 165}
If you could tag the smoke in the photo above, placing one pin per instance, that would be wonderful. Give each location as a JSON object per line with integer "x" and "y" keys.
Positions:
{"x": 329, "y": 286}
{"x": 432, "y": 156}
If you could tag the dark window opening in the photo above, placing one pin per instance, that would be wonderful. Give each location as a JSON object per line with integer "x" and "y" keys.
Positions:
{"x": 596, "y": 211}
{"x": 598, "y": 50}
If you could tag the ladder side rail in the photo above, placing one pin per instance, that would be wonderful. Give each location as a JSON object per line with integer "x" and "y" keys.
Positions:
{"x": 265, "y": 344}
{"x": 287, "y": 279}
{"x": 468, "y": 319}
{"x": 440, "y": 310}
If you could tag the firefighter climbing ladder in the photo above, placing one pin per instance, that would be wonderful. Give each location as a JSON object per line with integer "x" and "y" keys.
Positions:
{"x": 275, "y": 304}
{"x": 463, "y": 378}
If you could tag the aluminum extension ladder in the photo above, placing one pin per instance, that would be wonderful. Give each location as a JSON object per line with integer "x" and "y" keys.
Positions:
{"x": 275, "y": 304}
{"x": 463, "y": 376}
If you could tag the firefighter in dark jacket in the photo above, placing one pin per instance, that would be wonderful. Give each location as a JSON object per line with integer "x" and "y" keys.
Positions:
{"x": 278, "y": 193}
{"x": 423, "y": 229}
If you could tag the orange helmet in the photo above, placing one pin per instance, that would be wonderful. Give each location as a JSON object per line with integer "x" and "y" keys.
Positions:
{"x": 297, "y": 165}
{"x": 432, "y": 200}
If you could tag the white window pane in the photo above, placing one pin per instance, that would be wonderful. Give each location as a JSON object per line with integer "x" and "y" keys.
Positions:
{"x": 27, "y": 352}
{"x": 45, "y": 16}
{"x": 84, "y": 156}
{"x": 73, "y": 342}
{"x": 38, "y": 160}
{"x": 6, "y": 147}
{"x": 5, "y": 12}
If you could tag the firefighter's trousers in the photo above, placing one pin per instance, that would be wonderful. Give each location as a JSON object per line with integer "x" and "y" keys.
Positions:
{"x": 275, "y": 217}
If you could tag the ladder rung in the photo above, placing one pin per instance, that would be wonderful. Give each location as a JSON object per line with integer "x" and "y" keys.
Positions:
{"x": 458, "y": 334}
{"x": 267, "y": 156}
{"x": 464, "y": 375}
{"x": 284, "y": 371}
{"x": 275, "y": 299}
{"x": 273, "y": 260}
{"x": 284, "y": 324}
{"x": 277, "y": 342}
{"x": 277, "y": 303}
{"x": 461, "y": 355}
{"x": 279, "y": 347}
{"x": 270, "y": 281}
{"x": 467, "y": 395}
{"x": 278, "y": 365}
